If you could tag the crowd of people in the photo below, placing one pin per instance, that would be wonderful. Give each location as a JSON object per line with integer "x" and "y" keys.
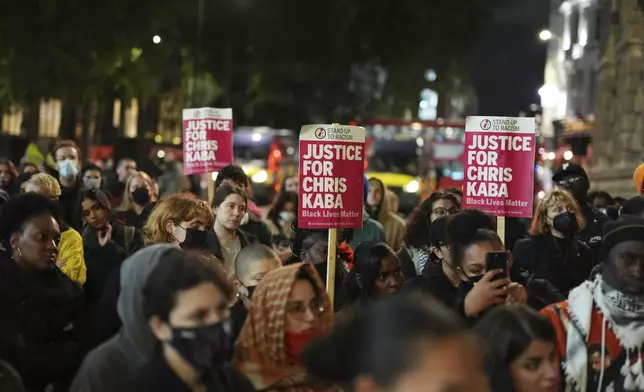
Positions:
{"x": 129, "y": 286}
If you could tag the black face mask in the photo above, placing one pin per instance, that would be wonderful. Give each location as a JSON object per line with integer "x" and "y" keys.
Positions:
{"x": 141, "y": 196}
{"x": 206, "y": 348}
{"x": 195, "y": 239}
{"x": 472, "y": 281}
{"x": 565, "y": 223}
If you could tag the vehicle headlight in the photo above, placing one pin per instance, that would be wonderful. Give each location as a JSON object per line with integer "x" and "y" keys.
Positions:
{"x": 260, "y": 177}
{"x": 412, "y": 187}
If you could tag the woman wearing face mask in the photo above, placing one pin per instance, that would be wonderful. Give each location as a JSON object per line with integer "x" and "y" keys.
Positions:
{"x": 106, "y": 243}
{"x": 400, "y": 344}
{"x": 290, "y": 309}
{"x": 8, "y": 176}
{"x": 228, "y": 239}
{"x": 471, "y": 236}
{"x": 137, "y": 196}
{"x": 553, "y": 252}
{"x": 181, "y": 220}
{"x": 41, "y": 306}
{"x": 376, "y": 273}
{"x": 280, "y": 219}
{"x": 521, "y": 353}
{"x": 186, "y": 305}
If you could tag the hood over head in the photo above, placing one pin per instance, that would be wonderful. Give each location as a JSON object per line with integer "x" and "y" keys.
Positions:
{"x": 380, "y": 212}
{"x": 134, "y": 273}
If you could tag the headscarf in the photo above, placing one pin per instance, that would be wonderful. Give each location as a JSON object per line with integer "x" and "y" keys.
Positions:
{"x": 260, "y": 352}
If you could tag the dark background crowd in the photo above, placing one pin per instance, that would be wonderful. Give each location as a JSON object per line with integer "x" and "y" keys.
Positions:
{"x": 120, "y": 281}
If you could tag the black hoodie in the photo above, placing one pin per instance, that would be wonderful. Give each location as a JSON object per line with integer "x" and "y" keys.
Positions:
{"x": 432, "y": 281}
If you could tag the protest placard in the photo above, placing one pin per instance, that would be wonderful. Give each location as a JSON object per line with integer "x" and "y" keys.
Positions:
{"x": 499, "y": 165}
{"x": 207, "y": 140}
{"x": 331, "y": 177}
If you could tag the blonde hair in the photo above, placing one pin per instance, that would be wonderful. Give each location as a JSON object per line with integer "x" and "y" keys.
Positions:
{"x": 178, "y": 208}
{"x": 47, "y": 184}
{"x": 127, "y": 204}
{"x": 539, "y": 225}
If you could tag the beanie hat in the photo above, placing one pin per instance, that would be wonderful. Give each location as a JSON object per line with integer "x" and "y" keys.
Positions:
{"x": 626, "y": 228}
{"x": 638, "y": 178}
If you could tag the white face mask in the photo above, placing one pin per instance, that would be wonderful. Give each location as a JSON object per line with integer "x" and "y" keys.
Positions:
{"x": 287, "y": 216}
{"x": 92, "y": 183}
{"x": 68, "y": 168}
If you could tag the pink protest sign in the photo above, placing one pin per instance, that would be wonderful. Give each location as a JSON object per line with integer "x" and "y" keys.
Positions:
{"x": 331, "y": 177}
{"x": 499, "y": 165}
{"x": 207, "y": 140}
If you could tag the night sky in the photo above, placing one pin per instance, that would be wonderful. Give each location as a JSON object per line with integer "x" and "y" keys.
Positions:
{"x": 509, "y": 58}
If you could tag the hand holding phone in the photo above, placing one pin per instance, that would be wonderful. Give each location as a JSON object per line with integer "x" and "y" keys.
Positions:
{"x": 498, "y": 261}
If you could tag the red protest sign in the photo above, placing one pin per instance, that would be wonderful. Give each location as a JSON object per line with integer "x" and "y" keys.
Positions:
{"x": 499, "y": 165}
{"x": 331, "y": 177}
{"x": 207, "y": 139}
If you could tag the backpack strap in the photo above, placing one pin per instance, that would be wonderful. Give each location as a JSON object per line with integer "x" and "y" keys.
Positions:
{"x": 129, "y": 237}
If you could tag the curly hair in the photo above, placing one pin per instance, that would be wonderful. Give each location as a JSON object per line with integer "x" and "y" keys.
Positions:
{"x": 419, "y": 222}
{"x": 22, "y": 208}
{"x": 177, "y": 209}
{"x": 539, "y": 225}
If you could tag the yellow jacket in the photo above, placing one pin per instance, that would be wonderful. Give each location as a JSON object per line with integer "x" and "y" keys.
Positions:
{"x": 71, "y": 258}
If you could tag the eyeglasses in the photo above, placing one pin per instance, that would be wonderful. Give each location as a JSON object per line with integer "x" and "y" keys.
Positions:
{"x": 445, "y": 211}
{"x": 298, "y": 310}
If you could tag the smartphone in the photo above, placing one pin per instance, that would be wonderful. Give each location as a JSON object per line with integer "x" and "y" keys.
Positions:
{"x": 497, "y": 261}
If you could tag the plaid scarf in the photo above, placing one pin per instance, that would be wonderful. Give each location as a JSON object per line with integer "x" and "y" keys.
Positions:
{"x": 260, "y": 352}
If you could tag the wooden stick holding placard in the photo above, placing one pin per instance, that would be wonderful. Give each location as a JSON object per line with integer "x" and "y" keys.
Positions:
{"x": 332, "y": 249}
{"x": 500, "y": 228}
{"x": 211, "y": 188}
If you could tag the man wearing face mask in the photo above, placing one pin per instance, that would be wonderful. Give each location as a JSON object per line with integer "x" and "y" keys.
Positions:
{"x": 251, "y": 265}
{"x": 574, "y": 179}
{"x": 186, "y": 305}
{"x": 607, "y": 313}
{"x": 92, "y": 176}
{"x": 67, "y": 156}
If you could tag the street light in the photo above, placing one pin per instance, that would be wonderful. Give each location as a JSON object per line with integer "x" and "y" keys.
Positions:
{"x": 549, "y": 96}
{"x": 156, "y": 39}
{"x": 545, "y": 35}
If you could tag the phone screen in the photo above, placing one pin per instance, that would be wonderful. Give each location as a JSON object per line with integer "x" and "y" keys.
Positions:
{"x": 497, "y": 260}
